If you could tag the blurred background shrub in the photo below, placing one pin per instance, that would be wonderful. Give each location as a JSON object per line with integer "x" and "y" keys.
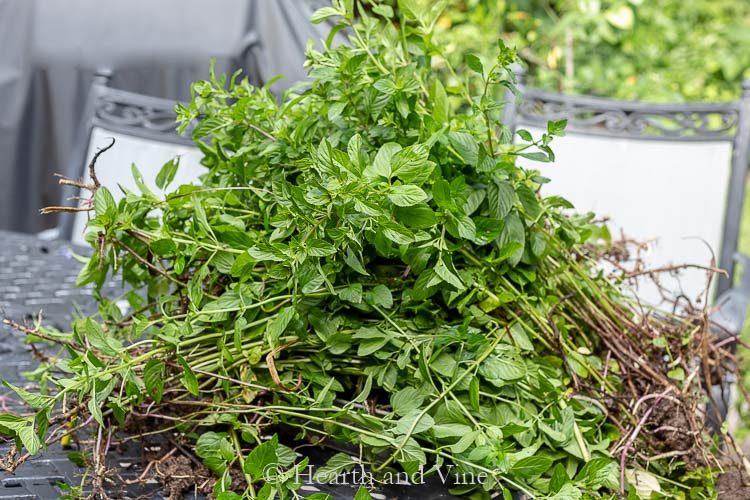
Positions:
{"x": 653, "y": 50}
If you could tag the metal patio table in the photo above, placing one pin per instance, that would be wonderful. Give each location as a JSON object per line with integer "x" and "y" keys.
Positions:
{"x": 37, "y": 274}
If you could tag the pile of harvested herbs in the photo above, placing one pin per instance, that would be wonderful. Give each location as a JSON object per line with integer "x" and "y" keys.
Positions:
{"x": 365, "y": 267}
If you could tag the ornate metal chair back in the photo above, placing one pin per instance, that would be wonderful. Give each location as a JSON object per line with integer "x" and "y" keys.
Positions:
{"x": 145, "y": 135}
{"x": 673, "y": 174}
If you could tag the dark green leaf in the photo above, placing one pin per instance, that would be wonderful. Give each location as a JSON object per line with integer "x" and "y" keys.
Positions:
{"x": 320, "y": 248}
{"x": 474, "y": 63}
{"x": 559, "y": 478}
{"x": 362, "y": 494}
{"x": 419, "y": 216}
{"x": 380, "y": 296}
{"x": 531, "y": 467}
{"x": 263, "y": 456}
{"x": 354, "y": 262}
{"x": 440, "y": 105}
{"x": 188, "y": 377}
{"x": 153, "y": 378}
{"x": 513, "y": 233}
{"x": 448, "y": 273}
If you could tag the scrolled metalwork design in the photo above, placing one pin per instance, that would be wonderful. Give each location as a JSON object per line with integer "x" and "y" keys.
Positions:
{"x": 631, "y": 119}
{"x": 151, "y": 117}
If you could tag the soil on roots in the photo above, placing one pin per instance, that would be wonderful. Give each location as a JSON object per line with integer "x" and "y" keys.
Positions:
{"x": 179, "y": 474}
{"x": 734, "y": 484}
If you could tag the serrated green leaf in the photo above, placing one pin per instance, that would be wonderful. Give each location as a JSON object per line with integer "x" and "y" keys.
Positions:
{"x": 94, "y": 408}
{"x": 406, "y": 195}
{"x": 463, "y": 444}
{"x": 500, "y": 199}
{"x": 502, "y": 368}
{"x": 419, "y": 216}
{"x": 558, "y": 479}
{"x": 397, "y": 233}
{"x": 33, "y": 400}
{"x": 465, "y": 145}
{"x": 153, "y": 378}
{"x": 354, "y": 262}
{"x": 365, "y": 392}
{"x": 381, "y": 165}
{"x": 442, "y": 431}
{"x": 259, "y": 460}
{"x": 105, "y": 206}
{"x": 440, "y": 105}
{"x": 351, "y": 293}
{"x": 529, "y": 201}
{"x": 410, "y": 164}
{"x": 101, "y": 341}
{"x": 513, "y": 233}
{"x": 138, "y": 178}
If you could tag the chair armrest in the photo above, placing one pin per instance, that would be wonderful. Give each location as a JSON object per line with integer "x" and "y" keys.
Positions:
{"x": 727, "y": 321}
{"x": 730, "y": 308}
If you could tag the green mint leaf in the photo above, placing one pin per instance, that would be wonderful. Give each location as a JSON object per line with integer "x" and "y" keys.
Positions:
{"x": 279, "y": 324}
{"x": 406, "y": 400}
{"x": 474, "y": 63}
{"x": 188, "y": 377}
{"x": 531, "y": 467}
{"x": 167, "y": 173}
{"x": 406, "y": 195}
{"x": 381, "y": 165}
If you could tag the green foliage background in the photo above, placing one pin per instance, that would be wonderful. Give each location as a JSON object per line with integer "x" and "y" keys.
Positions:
{"x": 653, "y": 50}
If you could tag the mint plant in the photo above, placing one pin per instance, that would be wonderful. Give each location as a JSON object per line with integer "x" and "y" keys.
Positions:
{"x": 365, "y": 264}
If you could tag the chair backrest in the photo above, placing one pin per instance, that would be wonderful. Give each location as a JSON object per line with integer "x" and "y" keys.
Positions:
{"x": 145, "y": 134}
{"x": 673, "y": 174}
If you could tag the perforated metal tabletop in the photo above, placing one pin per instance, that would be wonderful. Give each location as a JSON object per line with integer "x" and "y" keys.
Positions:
{"x": 40, "y": 275}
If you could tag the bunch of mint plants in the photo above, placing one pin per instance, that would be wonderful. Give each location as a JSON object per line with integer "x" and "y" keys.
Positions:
{"x": 365, "y": 265}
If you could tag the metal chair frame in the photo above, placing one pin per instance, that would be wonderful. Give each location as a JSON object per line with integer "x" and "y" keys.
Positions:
{"x": 686, "y": 122}
{"x": 121, "y": 112}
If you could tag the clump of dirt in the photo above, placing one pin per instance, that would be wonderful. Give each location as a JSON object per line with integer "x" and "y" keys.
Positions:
{"x": 672, "y": 430}
{"x": 179, "y": 474}
{"x": 734, "y": 484}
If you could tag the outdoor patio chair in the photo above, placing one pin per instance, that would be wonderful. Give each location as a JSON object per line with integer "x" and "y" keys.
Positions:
{"x": 671, "y": 173}
{"x": 145, "y": 135}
